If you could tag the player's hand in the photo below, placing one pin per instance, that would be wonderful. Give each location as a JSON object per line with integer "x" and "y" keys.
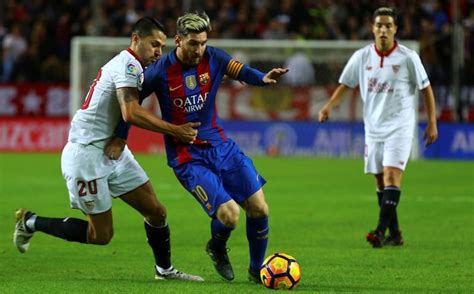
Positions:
{"x": 114, "y": 148}
{"x": 431, "y": 134}
{"x": 187, "y": 132}
{"x": 272, "y": 76}
{"x": 324, "y": 114}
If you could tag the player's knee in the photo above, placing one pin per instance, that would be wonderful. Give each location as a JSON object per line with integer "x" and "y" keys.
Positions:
{"x": 157, "y": 216}
{"x": 103, "y": 238}
{"x": 391, "y": 179}
{"x": 229, "y": 214}
{"x": 230, "y": 221}
{"x": 258, "y": 210}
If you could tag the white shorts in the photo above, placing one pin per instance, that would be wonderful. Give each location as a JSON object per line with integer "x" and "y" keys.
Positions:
{"x": 393, "y": 152}
{"x": 93, "y": 179}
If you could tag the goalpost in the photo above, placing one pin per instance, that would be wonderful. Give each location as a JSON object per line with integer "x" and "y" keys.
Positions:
{"x": 328, "y": 57}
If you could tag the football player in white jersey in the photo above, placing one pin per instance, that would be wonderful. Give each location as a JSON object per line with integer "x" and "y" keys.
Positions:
{"x": 387, "y": 74}
{"x": 93, "y": 179}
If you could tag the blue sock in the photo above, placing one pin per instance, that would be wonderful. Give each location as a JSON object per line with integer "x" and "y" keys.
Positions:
{"x": 257, "y": 234}
{"x": 219, "y": 235}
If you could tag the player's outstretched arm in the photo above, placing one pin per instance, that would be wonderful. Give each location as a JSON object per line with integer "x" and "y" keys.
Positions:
{"x": 249, "y": 75}
{"x": 431, "y": 131}
{"x": 335, "y": 99}
{"x": 134, "y": 113}
{"x": 272, "y": 76}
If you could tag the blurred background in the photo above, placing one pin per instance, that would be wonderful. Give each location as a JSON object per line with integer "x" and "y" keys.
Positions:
{"x": 313, "y": 38}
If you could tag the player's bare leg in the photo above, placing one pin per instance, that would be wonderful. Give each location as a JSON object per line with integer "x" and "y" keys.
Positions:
{"x": 227, "y": 217}
{"x": 101, "y": 228}
{"x": 257, "y": 232}
{"x": 144, "y": 200}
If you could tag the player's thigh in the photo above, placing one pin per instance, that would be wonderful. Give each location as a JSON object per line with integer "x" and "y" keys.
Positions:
{"x": 373, "y": 158}
{"x": 144, "y": 200}
{"x": 206, "y": 186}
{"x": 100, "y": 227}
{"x": 241, "y": 179}
{"x": 86, "y": 172}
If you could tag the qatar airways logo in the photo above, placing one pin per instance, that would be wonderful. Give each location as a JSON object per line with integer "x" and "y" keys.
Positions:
{"x": 191, "y": 103}
{"x": 373, "y": 85}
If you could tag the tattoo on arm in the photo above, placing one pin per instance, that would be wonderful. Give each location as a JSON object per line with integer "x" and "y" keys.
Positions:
{"x": 125, "y": 95}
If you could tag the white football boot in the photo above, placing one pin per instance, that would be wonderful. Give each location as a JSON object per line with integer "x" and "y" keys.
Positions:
{"x": 174, "y": 274}
{"x": 21, "y": 236}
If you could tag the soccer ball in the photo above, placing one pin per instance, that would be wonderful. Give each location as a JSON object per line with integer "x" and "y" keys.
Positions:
{"x": 280, "y": 271}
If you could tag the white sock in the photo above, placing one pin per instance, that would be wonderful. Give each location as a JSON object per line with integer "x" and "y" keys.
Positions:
{"x": 164, "y": 271}
{"x": 166, "y": 223}
{"x": 30, "y": 223}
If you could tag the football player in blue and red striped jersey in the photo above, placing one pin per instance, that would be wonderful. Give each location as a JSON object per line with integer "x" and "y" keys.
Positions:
{"x": 213, "y": 168}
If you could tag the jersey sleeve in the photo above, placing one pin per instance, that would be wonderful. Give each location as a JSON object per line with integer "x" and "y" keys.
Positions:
{"x": 236, "y": 70}
{"x": 250, "y": 75}
{"x": 350, "y": 74}
{"x": 146, "y": 80}
{"x": 223, "y": 57}
{"x": 417, "y": 71}
{"x": 127, "y": 75}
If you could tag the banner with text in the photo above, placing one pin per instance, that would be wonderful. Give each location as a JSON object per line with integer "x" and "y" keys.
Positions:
{"x": 456, "y": 141}
{"x": 235, "y": 102}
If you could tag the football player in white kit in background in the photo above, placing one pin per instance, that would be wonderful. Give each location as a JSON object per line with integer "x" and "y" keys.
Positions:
{"x": 388, "y": 74}
{"x": 94, "y": 179}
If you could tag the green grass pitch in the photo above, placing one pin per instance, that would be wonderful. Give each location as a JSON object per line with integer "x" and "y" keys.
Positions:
{"x": 320, "y": 212}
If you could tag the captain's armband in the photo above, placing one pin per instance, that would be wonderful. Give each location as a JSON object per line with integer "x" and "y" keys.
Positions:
{"x": 233, "y": 69}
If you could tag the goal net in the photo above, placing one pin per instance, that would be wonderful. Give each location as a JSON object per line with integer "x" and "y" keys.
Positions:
{"x": 297, "y": 98}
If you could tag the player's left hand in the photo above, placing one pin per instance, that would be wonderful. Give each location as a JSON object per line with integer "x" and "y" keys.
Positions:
{"x": 431, "y": 134}
{"x": 272, "y": 76}
{"x": 114, "y": 148}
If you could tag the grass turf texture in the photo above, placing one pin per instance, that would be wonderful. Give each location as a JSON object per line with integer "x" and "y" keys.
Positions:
{"x": 320, "y": 211}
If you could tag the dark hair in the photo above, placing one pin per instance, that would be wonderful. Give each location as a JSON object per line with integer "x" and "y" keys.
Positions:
{"x": 388, "y": 11}
{"x": 146, "y": 25}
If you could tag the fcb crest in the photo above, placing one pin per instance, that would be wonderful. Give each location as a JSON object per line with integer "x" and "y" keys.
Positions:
{"x": 395, "y": 68}
{"x": 204, "y": 78}
{"x": 191, "y": 82}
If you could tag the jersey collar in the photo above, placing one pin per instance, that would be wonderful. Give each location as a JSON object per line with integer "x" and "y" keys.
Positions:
{"x": 385, "y": 54}
{"x": 134, "y": 55}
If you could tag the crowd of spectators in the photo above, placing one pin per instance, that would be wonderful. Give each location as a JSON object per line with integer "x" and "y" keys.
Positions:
{"x": 35, "y": 35}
